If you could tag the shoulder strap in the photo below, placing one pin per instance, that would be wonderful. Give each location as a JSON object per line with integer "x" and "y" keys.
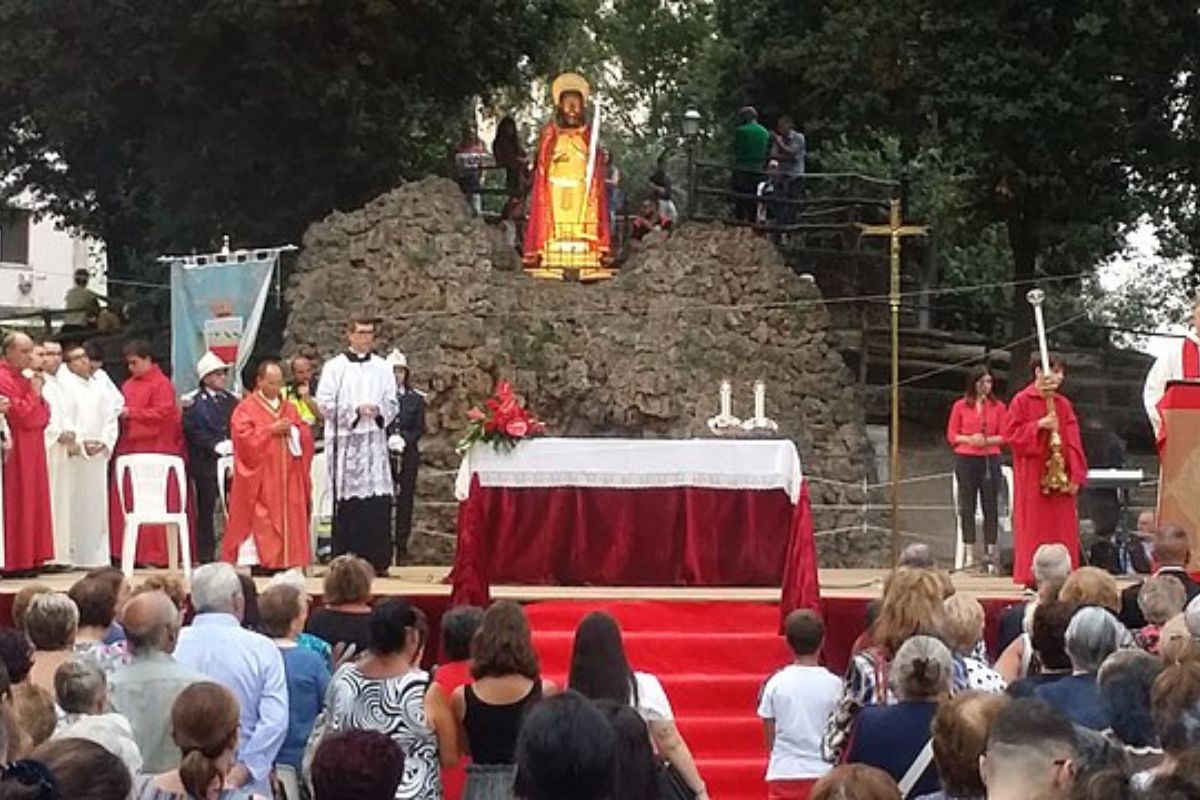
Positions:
{"x": 916, "y": 769}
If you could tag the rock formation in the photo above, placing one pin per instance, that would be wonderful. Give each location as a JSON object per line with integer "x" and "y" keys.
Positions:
{"x": 641, "y": 355}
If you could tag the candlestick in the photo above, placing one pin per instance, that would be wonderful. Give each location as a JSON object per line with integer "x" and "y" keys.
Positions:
{"x": 726, "y": 399}
{"x": 760, "y": 400}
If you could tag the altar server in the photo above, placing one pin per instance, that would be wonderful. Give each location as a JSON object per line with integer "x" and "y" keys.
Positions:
{"x": 357, "y": 396}
{"x": 1181, "y": 362}
{"x": 96, "y": 425}
{"x": 150, "y": 424}
{"x": 62, "y": 443}
{"x": 206, "y": 414}
{"x": 28, "y": 538}
{"x": 269, "y": 501}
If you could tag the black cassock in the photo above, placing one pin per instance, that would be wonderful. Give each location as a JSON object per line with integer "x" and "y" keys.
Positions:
{"x": 409, "y": 425}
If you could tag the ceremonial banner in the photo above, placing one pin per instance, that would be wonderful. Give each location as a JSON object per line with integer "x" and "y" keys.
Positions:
{"x": 217, "y": 304}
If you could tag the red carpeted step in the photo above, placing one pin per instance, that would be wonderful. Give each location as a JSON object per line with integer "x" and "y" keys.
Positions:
{"x": 698, "y": 694}
{"x": 659, "y": 615}
{"x": 734, "y": 778}
{"x": 729, "y": 737}
{"x": 659, "y": 651}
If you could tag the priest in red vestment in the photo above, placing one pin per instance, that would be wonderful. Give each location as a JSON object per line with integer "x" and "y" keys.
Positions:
{"x": 151, "y": 422}
{"x": 1039, "y": 518}
{"x": 269, "y": 501}
{"x": 28, "y": 532}
{"x": 1181, "y": 362}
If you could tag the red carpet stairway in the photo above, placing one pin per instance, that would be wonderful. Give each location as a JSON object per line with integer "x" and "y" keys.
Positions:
{"x": 712, "y": 658}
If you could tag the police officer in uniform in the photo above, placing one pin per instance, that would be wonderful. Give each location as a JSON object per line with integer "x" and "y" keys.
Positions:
{"x": 206, "y": 414}
{"x": 404, "y": 435}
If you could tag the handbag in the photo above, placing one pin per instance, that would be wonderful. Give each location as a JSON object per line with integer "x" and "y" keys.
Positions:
{"x": 671, "y": 785}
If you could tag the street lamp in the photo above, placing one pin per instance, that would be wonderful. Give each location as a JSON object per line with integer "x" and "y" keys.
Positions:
{"x": 691, "y": 133}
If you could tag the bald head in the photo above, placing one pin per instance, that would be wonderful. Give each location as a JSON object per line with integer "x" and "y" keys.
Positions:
{"x": 270, "y": 379}
{"x": 1171, "y": 546}
{"x": 151, "y": 623}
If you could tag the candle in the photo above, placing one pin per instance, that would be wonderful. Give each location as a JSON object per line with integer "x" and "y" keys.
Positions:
{"x": 726, "y": 399}
{"x": 760, "y": 400}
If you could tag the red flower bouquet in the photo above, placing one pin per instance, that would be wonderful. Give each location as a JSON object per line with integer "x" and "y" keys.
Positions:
{"x": 502, "y": 421}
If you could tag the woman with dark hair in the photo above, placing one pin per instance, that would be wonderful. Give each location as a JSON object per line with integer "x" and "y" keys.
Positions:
{"x": 567, "y": 751}
{"x": 459, "y": 626}
{"x": 387, "y": 691}
{"x": 66, "y": 768}
{"x": 636, "y": 770}
{"x": 491, "y": 710}
{"x": 357, "y": 765}
{"x": 600, "y": 671}
{"x": 345, "y": 616}
{"x": 974, "y": 430}
{"x": 508, "y": 152}
{"x": 204, "y": 724}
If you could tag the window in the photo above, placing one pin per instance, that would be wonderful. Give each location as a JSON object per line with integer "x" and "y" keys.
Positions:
{"x": 14, "y": 237}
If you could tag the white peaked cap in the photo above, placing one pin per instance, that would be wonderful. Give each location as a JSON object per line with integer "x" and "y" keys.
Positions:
{"x": 209, "y": 362}
{"x": 397, "y": 359}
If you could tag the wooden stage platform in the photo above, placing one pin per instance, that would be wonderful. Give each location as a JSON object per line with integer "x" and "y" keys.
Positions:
{"x": 430, "y": 581}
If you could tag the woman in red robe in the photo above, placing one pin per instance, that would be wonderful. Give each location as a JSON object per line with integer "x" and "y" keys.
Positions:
{"x": 272, "y": 451}
{"x": 28, "y": 533}
{"x": 1038, "y": 518}
{"x": 150, "y": 423}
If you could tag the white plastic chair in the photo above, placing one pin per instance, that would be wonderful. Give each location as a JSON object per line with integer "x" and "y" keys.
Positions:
{"x": 150, "y": 475}
{"x": 224, "y": 476}
{"x": 1004, "y": 513}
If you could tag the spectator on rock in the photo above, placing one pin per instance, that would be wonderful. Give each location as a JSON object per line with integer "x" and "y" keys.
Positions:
{"x": 661, "y": 192}
{"x": 82, "y": 695}
{"x": 794, "y": 705}
{"x": 510, "y": 154}
{"x": 357, "y": 765}
{"x": 77, "y": 769}
{"x": 50, "y": 624}
{"x": 1172, "y": 551}
{"x": 247, "y": 663}
{"x": 963, "y": 633}
{"x": 1093, "y": 635}
{"x": 857, "y": 781}
{"x": 1031, "y": 753}
{"x": 1051, "y": 568}
{"x": 152, "y": 680}
{"x": 648, "y": 220}
{"x": 960, "y": 733}
{"x": 636, "y": 770}
{"x": 459, "y": 625}
{"x": 600, "y": 670}
{"x": 1124, "y": 683}
{"x": 912, "y": 606}
{"x": 387, "y": 691}
{"x": 567, "y": 751}
{"x": 1160, "y": 597}
{"x": 896, "y": 738}
{"x": 204, "y": 723}
{"x": 345, "y": 617}
{"x": 284, "y": 609}
{"x": 788, "y": 151}
{"x": 1049, "y": 661}
{"x": 750, "y": 143}
{"x": 507, "y": 683}
{"x": 97, "y": 603}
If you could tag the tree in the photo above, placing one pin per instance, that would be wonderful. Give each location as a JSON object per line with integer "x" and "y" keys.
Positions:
{"x": 1062, "y": 114}
{"x": 159, "y": 125}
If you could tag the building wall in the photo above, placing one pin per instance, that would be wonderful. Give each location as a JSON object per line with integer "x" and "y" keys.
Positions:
{"x": 42, "y": 281}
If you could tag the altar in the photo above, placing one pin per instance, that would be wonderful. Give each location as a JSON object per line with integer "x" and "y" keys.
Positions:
{"x": 635, "y": 512}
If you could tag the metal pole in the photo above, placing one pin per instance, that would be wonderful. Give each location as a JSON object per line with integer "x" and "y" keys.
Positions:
{"x": 691, "y": 167}
{"x": 894, "y": 469}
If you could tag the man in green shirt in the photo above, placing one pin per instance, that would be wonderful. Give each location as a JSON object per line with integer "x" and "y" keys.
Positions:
{"x": 82, "y": 303}
{"x": 750, "y": 144}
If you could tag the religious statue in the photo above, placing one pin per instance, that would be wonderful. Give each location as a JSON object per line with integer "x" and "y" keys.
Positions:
{"x": 567, "y": 234}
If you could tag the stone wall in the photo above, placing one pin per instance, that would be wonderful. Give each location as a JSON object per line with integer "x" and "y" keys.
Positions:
{"x": 640, "y": 355}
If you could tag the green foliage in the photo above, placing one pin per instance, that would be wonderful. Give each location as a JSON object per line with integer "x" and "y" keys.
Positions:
{"x": 160, "y": 125}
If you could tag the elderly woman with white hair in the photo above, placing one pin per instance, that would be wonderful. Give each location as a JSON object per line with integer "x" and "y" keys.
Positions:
{"x": 1051, "y": 568}
{"x": 962, "y": 631}
{"x": 51, "y": 624}
{"x": 1093, "y": 635}
{"x": 897, "y": 738}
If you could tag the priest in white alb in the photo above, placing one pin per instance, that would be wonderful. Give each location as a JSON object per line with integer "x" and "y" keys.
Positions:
{"x": 1180, "y": 363}
{"x": 96, "y": 422}
{"x": 357, "y": 396}
{"x": 61, "y": 444}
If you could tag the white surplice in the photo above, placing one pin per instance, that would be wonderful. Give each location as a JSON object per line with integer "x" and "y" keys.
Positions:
{"x": 62, "y": 420}
{"x": 1167, "y": 367}
{"x": 96, "y": 420}
{"x": 357, "y": 448}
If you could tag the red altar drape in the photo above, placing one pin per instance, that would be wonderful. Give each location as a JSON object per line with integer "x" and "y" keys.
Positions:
{"x": 635, "y": 537}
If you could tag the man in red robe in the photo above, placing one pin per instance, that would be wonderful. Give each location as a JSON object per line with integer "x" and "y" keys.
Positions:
{"x": 151, "y": 422}
{"x": 568, "y": 209}
{"x": 269, "y": 501}
{"x": 28, "y": 532}
{"x": 1040, "y": 518}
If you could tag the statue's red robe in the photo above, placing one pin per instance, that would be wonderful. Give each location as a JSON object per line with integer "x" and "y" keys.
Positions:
{"x": 540, "y": 227}
{"x": 271, "y": 489}
{"x": 1038, "y": 518}
{"x": 28, "y": 531}
{"x": 153, "y": 424}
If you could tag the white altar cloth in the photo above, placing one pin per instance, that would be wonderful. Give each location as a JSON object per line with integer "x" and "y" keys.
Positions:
{"x": 635, "y": 464}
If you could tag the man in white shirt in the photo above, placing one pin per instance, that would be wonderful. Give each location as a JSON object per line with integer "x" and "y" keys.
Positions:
{"x": 248, "y": 664}
{"x": 96, "y": 427}
{"x": 61, "y": 444}
{"x": 795, "y": 705}
{"x": 1180, "y": 362}
{"x": 357, "y": 397}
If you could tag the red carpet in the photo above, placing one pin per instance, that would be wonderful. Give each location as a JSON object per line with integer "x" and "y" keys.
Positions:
{"x": 712, "y": 658}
